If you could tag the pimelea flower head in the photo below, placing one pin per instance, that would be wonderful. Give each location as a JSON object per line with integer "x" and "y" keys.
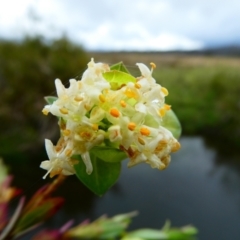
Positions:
{"x": 110, "y": 108}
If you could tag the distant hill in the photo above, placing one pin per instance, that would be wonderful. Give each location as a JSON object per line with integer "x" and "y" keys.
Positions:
{"x": 228, "y": 51}
{"x": 219, "y": 51}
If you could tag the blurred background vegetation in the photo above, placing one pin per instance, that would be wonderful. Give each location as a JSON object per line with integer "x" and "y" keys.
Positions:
{"x": 204, "y": 90}
{"x": 27, "y": 73}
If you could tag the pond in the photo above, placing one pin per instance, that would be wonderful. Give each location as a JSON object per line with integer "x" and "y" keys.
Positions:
{"x": 198, "y": 188}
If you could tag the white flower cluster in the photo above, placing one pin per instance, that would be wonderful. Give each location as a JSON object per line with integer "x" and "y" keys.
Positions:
{"x": 91, "y": 113}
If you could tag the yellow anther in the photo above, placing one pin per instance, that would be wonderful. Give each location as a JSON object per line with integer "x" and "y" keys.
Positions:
{"x": 95, "y": 127}
{"x": 87, "y": 107}
{"x": 68, "y": 152}
{"x": 58, "y": 148}
{"x": 176, "y": 147}
{"x": 123, "y": 103}
{"x": 167, "y": 107}
{"x": 60, "y": 144}
{"x": 141, "y": 141}
{"x": 86, "y": 135}
{"x": 144, "y": 131}
{"x": 55, "y": 172}
{"x": 102, "y": 98}
{"x": 165, "y": 162}
{"x": 153, "y": 65}
{"x": 114, "y": 112}
{"x": 45, "y": 111}
{"x": 66, "y": 132}
{"x": 164, "y": 91}
{"x": 131, "y": 126}
{"x": 78, "y": 99}
{"x": 130, "y": 93}
{"x": 63, "y": 110}
{"x": 137, "y": 85}
{"x": 62, "y": 124}
{"x": 161, "y": 145}
{"x": 162, "y": 112}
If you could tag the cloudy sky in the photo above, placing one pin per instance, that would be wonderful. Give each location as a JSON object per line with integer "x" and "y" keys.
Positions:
{"x": 126, "y": 24}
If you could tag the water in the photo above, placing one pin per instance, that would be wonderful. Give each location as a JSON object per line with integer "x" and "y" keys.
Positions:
{"x": 198, "y": 188}
{"x": 191, "y": 191}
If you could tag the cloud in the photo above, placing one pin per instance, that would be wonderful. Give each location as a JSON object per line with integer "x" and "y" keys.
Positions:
{"x": 126, "y": 25}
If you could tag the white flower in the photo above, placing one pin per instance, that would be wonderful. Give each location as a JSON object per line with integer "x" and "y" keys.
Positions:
{"x": 93, "y": 82}
{"x": 58, "y": 163}
{"x": 70, "y": 102}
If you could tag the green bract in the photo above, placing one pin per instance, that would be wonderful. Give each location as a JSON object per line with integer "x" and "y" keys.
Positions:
{"x": 117, "y": 78}
{"x": 171, "y": 122}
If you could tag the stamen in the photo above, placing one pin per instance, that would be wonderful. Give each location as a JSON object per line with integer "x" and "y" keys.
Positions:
{"x": 66, "y": 132}
{"x": 87, "y": 160}
{"x": 123, "y": 103}
{"x": 55, "y": 172}
{"x": 162, "y": 112}
{"x": 58, "y": 148}
{"x": 47, "y": 172}
{"x": 167, "y": 107}
{"x": 164, "y": 91}
{"x": 131, "y": 126}
{"x": 87, "y": 107}
{"x": 145, "y": 131}
{"x": 153, "y": 65}
{"x": 62, "y": 124}
{"x": 114, "y": 112}
{"x": 165, "y": 161}
{"x": 137, "y": 85}
{"x": 141, "y": 141}
{"x": 102, "y": 98}
{"x": 95, "y": 127}
{"x": 63, "y": 110}
{"x": 176, "y": 147}
{"x": 68, "y": 152}
{"x": 45, "y": 111}
{"x": 79, "y": 84}
{"x": 161, "y": 144}
{"x": 131, "y": 152}
{"x": 78, "y": 99}
{"x": 86, "y": 135}
{"x": 130, "y": 93}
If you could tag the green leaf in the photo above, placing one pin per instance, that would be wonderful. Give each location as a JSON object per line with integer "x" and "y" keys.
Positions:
{"x": 104, "y": 174}
{"x": 120, "y": 67}
{"x": 171, "y": 122}
{"x": 109, "y": 154}
{"x": 118, "y": 78}
{"x": 147, "y": 234}
{"x": 50, "y": 99}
